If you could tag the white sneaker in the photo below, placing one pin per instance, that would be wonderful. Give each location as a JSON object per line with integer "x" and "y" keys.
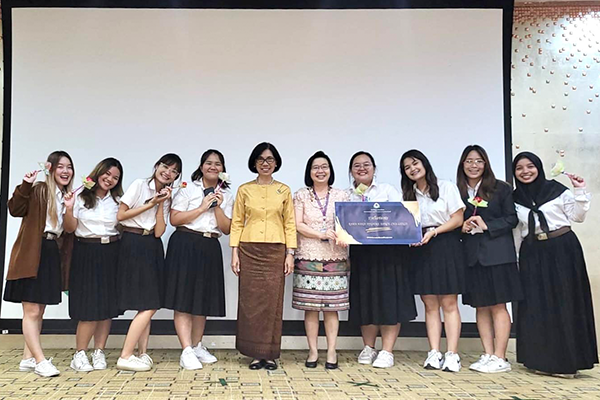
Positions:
{"x": 81, "y": 363}
{"x": 385, "y": 359}
{"x": 451, "y": 362}
{"x": 188, "y": 359}
{"x": 27, "y": 365}
{"x": 479, "y": 365}
{"x": 496, "y": 364}
{"x": 434, "y": 360}
{"x": 146, "y": 359}
{"x": 204, "y": 355}
{"x": 132, "y": 364}
{"x": 367, "y": 356}
{"x": 99, "y": 359}
{"x": 46, "y": 369}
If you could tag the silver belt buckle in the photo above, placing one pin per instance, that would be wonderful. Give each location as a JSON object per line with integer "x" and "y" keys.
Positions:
{"x": 542, "y": 236}
{"x": 146, "y": 232}
{"x": 49, "y": 236}
{"x": 105, "y": 240}
{"x": 207, "y": 234}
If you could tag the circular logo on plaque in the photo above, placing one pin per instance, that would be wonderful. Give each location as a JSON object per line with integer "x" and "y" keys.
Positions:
{"x": 376, "y": 205}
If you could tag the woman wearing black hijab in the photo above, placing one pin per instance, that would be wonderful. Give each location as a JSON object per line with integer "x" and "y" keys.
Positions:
{"x": 555, "y": 322}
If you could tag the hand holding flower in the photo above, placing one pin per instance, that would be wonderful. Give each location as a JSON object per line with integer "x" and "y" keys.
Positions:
{"x": 69, "y": 199}
{"x": 45, "y": 167}
{"x": 577, "y": 181}
{"x": 30, "y": 176}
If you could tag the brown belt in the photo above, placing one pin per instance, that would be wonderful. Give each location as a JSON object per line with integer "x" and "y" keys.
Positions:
{"x": 553, "y": 234}
{"x": 102, "y": 240}
{"x": 138, "y": 231}
{"x": 49, "y": 236}
{"x": 205, "y": 234}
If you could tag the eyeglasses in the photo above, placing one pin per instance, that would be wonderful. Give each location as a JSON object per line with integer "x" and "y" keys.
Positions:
{"x": 171, "y": 170}
{"x": 268, "y": 160}
{"x": 323, "y": 167}
{"x": 358, "y": 166}
{"x": 477, "y": 161}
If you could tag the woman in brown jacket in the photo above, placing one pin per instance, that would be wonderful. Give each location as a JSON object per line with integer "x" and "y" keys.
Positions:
{"x": 34, "y": 271}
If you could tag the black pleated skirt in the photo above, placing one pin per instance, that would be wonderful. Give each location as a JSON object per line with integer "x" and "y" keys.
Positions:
{"x": 194, "y": 281}
{"x": 46, "y": 287}
{"x": 380, "y": 292}
{"x": 140, "y": 273}
{"x": 492, "y": 284}
{"x": 93, "y": 281}
{"x": 438, "y": 267}
{"x": 555, "y": 321}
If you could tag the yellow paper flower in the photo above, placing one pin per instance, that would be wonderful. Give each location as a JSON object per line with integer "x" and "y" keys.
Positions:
{"x": 478, "y": 202}
{"x": 88, "y": 183}
{"x": 558, "y": 168}
{"x": 361, "y": 189}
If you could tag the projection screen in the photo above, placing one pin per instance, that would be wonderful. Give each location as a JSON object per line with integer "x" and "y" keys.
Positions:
{"x": 136, "y": 83}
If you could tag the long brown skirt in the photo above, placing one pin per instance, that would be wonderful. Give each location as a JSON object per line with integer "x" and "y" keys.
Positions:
{"x": 260, "y": 300}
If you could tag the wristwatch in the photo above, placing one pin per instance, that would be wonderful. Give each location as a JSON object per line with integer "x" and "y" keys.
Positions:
{"x": 290, "y": 251}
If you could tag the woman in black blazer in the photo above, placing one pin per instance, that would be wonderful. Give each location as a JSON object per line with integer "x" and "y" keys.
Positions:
{"x": 492, "y": 276}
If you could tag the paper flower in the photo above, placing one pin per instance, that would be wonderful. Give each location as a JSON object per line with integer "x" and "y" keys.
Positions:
{"x": 45, "y": 167}
{"x": 224, "y": 176}
{"x": 477, "y": 202}
{"x": 360, "y": 190}
{"x": 558, "y": 168}
{"x": 86, "y": 182}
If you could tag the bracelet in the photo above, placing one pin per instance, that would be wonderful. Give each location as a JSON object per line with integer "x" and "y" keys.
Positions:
{"x": 435, "y": 232}
{"x": 291, "y": 252}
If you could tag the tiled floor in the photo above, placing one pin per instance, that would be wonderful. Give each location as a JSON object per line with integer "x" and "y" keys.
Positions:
{"x": 231, "y": 379}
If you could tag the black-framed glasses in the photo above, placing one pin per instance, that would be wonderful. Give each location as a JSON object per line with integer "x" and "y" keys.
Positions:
{"x": 269, "y": 160}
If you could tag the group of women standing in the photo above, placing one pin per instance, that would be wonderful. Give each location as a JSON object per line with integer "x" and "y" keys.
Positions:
{"x": 117, "y": 263}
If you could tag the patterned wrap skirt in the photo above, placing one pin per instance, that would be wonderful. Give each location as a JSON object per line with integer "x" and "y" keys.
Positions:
{"x": 260, "y": 300}
{"x": 321, "y": 286}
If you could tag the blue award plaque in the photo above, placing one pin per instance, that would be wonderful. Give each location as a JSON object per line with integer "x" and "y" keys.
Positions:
{"x": 378, "y": 222}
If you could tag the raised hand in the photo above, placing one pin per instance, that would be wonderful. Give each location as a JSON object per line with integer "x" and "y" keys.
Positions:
{"x": 30, "y": 176}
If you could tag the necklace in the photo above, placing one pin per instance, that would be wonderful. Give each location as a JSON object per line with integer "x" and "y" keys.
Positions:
{"x": 265, "y": 184}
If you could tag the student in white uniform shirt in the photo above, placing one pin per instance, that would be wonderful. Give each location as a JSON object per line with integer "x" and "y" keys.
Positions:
{"x": 34, "y": 271}
{"x": 380, "y": 295}
{"x": 143, "y": 213}
{"x": 555, "y": 322}
{"x": 437, "y": 262}
{"x": 92, "y": 215}
{"x": 195, "y": 285}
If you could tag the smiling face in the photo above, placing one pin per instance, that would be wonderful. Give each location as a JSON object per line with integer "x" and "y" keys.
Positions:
{"x": 363, "y": 170}
{"x": 474, "y": 165}
{"x": 109, "y": 179}
{"x": 63, "y": 172}
{"x": 266, "y": 163}
{"x": 166, "y": 174}
{"x": 320, "y": 171}
{"x": 413, "y": 168}
{"x": 525, "y": 171}
{"x": 212, "y": 167}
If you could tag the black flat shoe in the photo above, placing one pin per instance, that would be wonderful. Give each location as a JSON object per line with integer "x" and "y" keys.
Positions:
{"x": 329, "y": 365}
{"x": 257, "y": 365}
{"x": 270, "y": 365}
{"x": 311, "y": 364}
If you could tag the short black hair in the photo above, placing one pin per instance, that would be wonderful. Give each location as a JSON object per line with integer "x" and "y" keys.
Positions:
{"x": 258, "y": 150}
{"x": 308, "y": 181}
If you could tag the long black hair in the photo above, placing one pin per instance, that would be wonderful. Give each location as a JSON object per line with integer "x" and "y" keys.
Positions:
{"x": 89, "y": 195}
{"x": 408, "y": 190}
{"x": 488, "y": 179}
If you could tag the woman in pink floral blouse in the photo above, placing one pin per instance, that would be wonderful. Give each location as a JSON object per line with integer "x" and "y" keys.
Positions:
{"x": 321, "y": 271}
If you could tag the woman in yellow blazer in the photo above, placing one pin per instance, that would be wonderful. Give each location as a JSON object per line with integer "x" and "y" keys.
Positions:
{"x": 263, "y": 239}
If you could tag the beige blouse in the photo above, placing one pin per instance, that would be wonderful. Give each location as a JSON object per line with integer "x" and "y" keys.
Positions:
{"x": 315, "y": 249}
